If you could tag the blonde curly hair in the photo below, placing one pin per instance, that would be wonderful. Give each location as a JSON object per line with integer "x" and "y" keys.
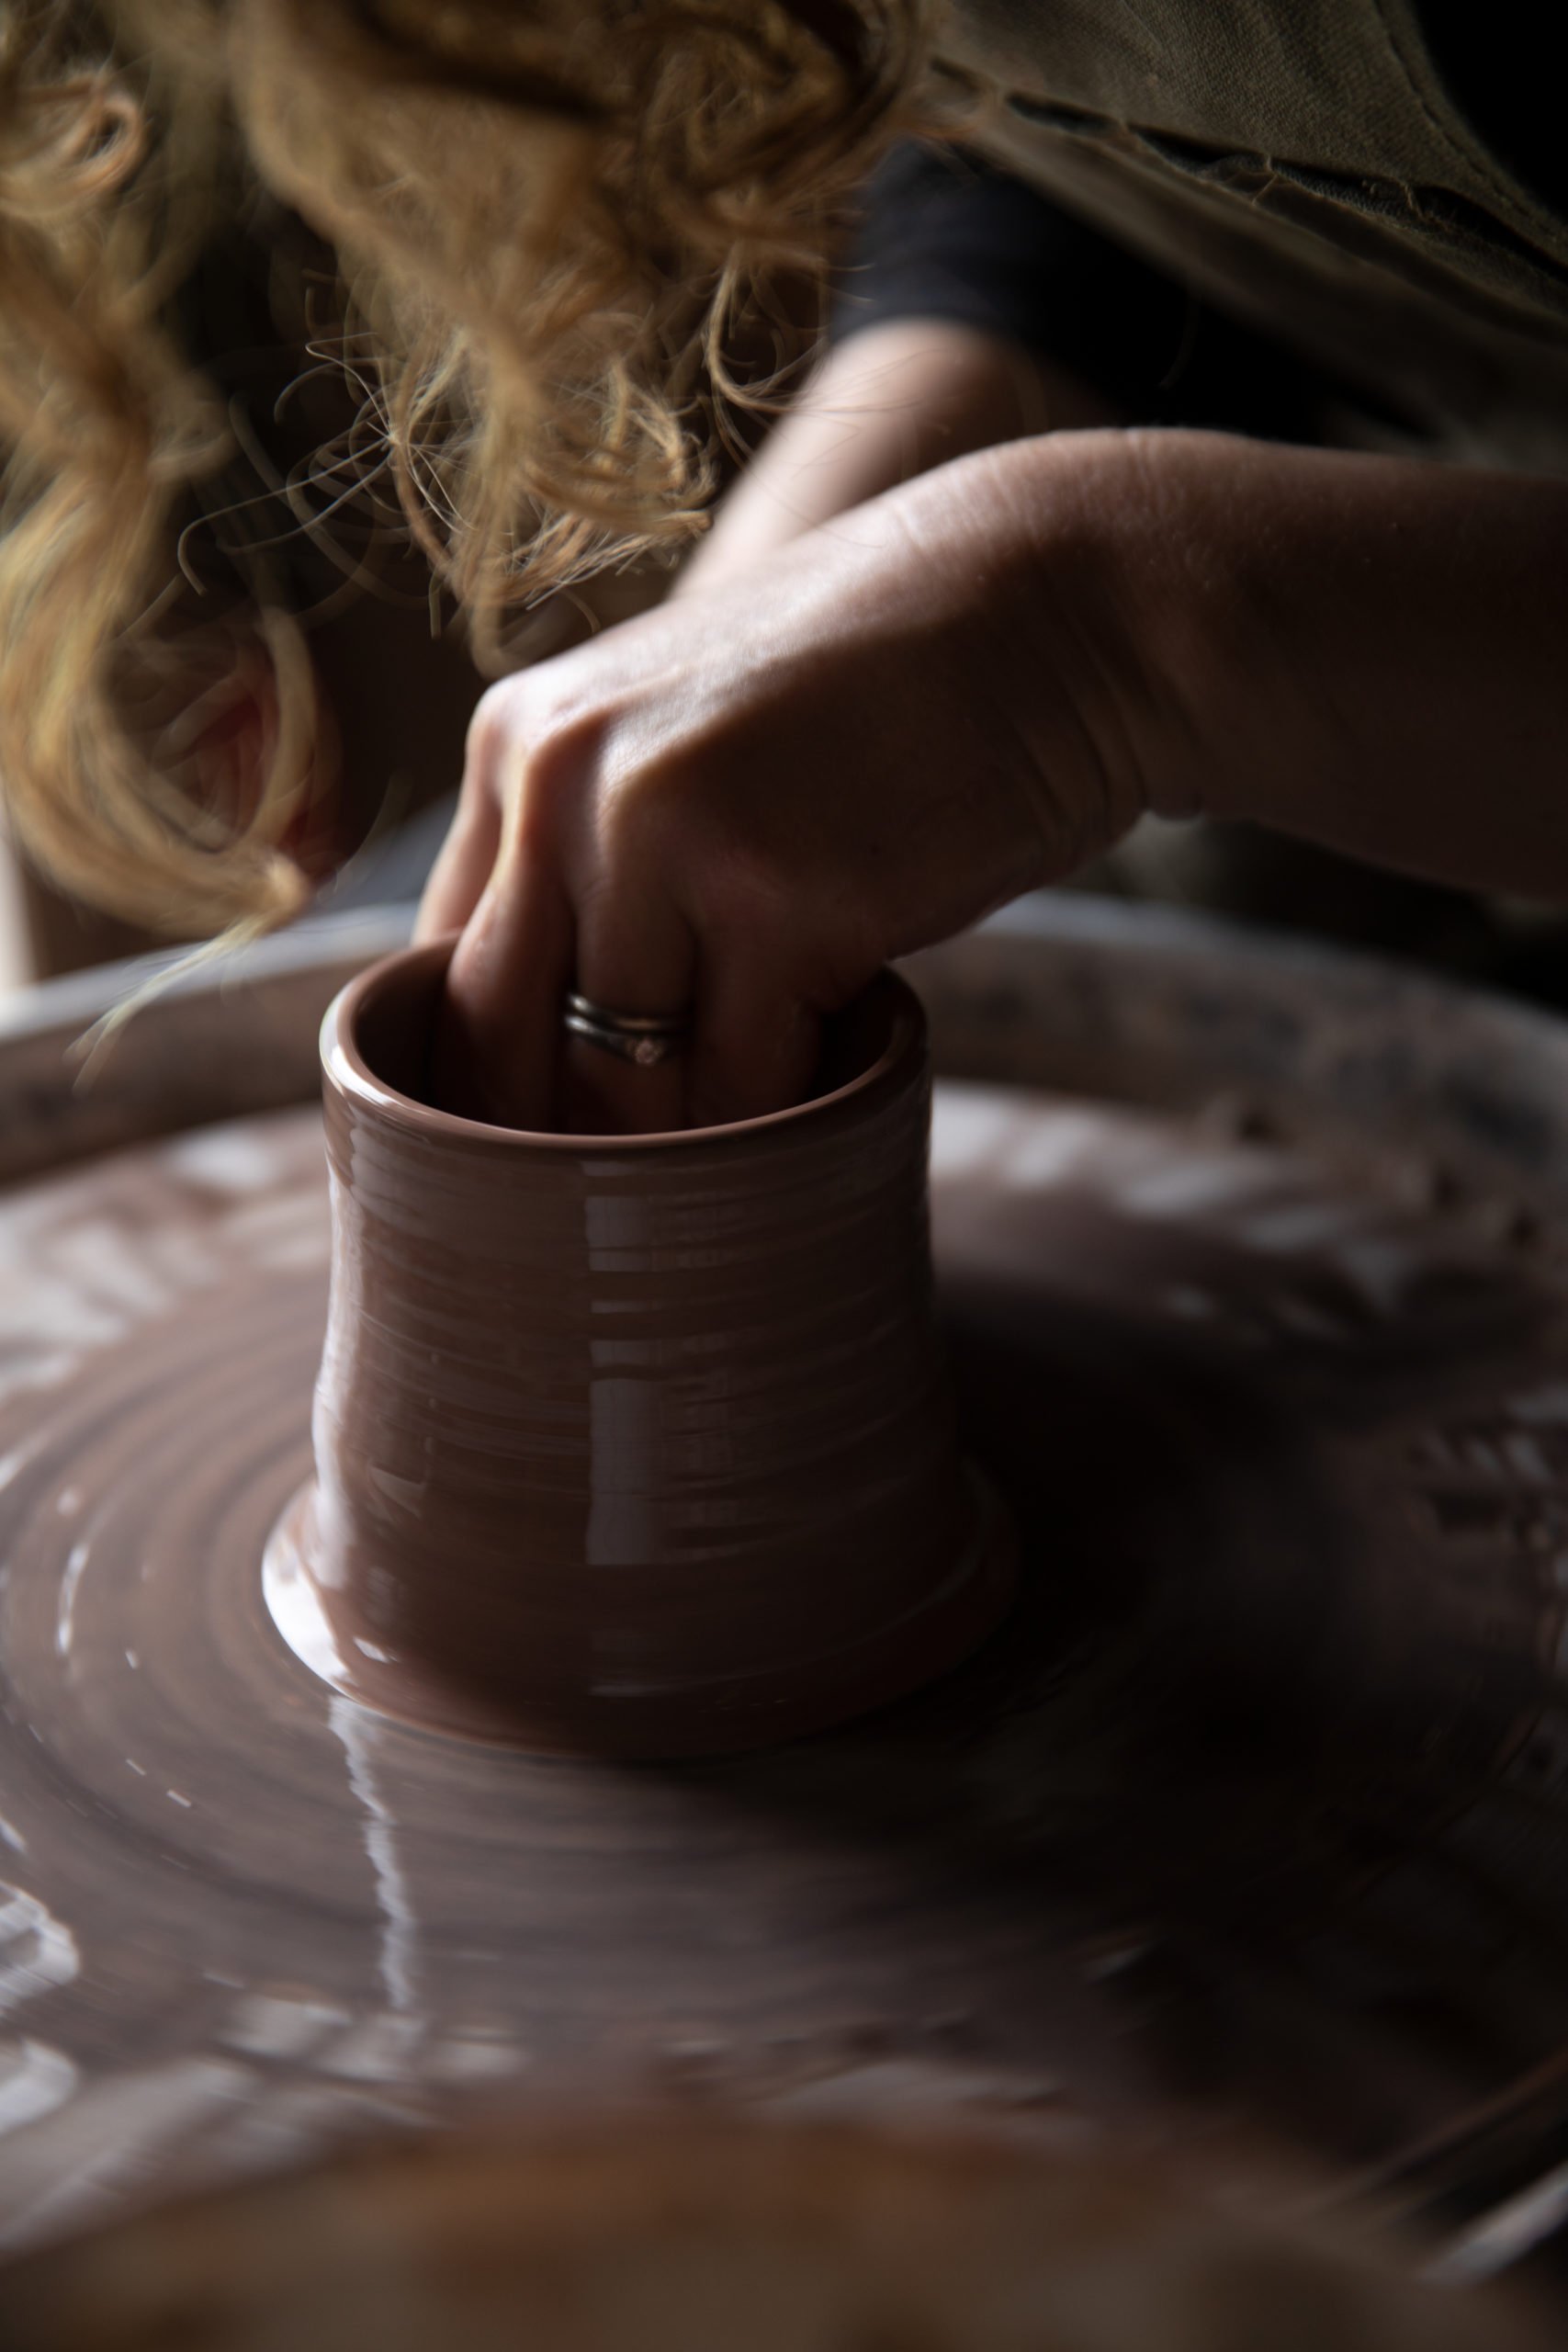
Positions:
{"x": 547, "y": 220}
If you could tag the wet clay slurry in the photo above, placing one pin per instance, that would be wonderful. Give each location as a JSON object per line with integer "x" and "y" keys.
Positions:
{"x": 1253, "y": 1817}
{"x": 639, "y": 1446}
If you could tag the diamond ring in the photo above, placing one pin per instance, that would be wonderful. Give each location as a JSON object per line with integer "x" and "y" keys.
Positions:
{"x": 646, "y": 1039}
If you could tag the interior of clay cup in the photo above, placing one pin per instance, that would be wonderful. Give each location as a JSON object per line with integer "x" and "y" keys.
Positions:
{"x": 393, "y": 1020}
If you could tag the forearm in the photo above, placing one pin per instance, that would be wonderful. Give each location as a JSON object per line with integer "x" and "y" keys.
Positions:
{"x": 1363, "y": 651}
{"x": 883, "y": 407}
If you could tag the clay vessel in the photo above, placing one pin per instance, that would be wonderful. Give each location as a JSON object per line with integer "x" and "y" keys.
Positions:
{"x": 639, "y": 1446}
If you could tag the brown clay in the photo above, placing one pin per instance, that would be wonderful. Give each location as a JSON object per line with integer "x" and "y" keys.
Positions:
{"x": 639, "y": 1446}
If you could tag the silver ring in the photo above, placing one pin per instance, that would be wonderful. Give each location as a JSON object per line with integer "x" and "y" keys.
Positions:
{"x": 645, "y": 1038}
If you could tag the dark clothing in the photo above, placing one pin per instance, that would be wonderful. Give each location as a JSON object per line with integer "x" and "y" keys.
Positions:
{"x": 944, "y": 235}
{"x": 947, "y": 235}
{"x": 1482, "y": 55}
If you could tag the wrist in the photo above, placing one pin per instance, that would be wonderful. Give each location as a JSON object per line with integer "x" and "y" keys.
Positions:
{"x": 1085, "y": 643}
{"x": 1161, "y": 606}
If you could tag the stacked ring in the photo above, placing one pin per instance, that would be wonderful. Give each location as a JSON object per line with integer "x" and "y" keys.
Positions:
{"x": 646, "y": 1039}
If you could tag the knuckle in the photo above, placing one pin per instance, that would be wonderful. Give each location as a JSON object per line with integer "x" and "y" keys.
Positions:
{"x": 647, "y": 811}
{"x": 634, "y": 809}
{"x": 558, "y": 774}
{"x": 489, "y": 728}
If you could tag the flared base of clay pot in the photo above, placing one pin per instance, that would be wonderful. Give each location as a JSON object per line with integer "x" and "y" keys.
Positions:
{"x": 716, "y": 1718}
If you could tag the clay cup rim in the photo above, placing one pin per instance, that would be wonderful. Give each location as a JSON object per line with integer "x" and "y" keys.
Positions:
{"x": 346, "y": 1070}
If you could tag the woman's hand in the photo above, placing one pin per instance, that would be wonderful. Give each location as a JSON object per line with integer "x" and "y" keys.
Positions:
{"x": 747, "y": 802}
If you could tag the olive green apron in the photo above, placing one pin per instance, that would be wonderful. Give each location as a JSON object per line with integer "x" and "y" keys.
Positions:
{"x": 1298, "y": 163}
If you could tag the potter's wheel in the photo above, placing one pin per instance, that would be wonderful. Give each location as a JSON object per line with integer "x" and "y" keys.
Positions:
{"x": 1253, "y": 1820}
